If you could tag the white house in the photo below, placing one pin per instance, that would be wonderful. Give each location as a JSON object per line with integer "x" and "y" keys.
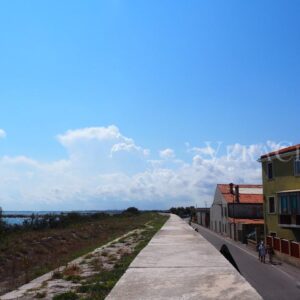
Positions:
{"x": 237, "y": 210}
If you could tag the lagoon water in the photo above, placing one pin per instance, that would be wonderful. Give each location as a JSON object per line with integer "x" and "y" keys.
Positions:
{"x": 19, "y": 221}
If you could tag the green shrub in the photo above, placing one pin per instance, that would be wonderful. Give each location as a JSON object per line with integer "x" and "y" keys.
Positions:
{"x": 66, "y": 296}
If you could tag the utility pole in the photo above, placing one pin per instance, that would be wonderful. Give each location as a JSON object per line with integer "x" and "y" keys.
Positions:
{"x": 231, "y": 187}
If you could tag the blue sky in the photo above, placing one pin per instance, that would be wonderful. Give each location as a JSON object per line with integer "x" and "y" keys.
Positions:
{"x": 164, "y": 73}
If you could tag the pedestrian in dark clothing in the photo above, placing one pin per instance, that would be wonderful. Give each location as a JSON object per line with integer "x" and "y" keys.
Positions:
{"x": 262, "y": 252}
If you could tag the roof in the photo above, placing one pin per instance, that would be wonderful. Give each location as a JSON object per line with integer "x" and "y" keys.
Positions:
{"x": 249, "y": 193}
{"x": 246, "y": 221}
{"x": 282, "y": 151}
{"x": 288, "y": 191}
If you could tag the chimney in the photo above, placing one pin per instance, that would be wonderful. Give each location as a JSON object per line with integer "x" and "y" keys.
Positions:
{"x": 231, "y": 185}
{"x": 237, "y": 193}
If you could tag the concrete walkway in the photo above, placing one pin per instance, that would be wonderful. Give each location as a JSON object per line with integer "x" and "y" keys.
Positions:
{"x": 179, "y": 263}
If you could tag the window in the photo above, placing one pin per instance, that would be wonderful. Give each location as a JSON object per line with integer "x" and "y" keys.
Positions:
{"x": 284, "y": 204}
{"x": 297, "y": 167}
{"x": 271, "y": 205}
{"x": 270, "y": 170}
{"x": 294, "y": 203}
{"x": 225, "y": 211}
{"x": 290, "y": 203}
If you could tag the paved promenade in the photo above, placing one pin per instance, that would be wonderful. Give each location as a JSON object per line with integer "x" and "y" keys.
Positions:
{"x": 179, "y": 263}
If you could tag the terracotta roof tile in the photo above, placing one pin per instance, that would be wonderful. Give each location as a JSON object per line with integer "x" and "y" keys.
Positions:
{"x": 281, "y": 151}
{"x": 244, "y": 198}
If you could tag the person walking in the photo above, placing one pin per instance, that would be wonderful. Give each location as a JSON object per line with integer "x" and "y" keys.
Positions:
{"x": 262, "y": 252}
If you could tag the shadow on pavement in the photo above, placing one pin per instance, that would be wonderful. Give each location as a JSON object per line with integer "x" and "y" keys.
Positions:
{"x": 226, "y": 253}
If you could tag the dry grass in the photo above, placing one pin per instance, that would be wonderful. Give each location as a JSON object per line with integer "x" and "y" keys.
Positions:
{"x": 29, "y": 254}
{"x": 72, "y": 270}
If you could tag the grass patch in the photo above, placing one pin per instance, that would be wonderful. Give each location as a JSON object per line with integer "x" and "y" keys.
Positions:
{"x": 73, "y": 278}
{"x": 66, "y": 296}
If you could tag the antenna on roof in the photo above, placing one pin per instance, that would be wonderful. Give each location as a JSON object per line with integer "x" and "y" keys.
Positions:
{"x": 237, "y": 193}
{"x": 231, "y": 185}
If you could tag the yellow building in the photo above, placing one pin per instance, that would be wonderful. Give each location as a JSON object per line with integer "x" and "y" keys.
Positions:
{"x": 281, "y": 189}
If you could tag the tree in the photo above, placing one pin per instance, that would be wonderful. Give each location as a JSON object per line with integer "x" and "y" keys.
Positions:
{"x": 131, "y": 210}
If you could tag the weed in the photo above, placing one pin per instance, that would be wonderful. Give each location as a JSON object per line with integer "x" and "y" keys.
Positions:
{"x": 66, "y": 296}
{"x": 72, "y": 270}
{"x": 40, "y": 295}
{"x": 73, "y": 278}
{"x": 57, "y": 274}
{"x": 97, "y": 264}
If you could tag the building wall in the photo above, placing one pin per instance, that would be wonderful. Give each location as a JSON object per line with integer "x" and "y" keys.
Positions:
{"x": 284, "y": 179}
{"x": 245, "y": 210}
{"x": 218, "y": 221}
{"x": 203, "y": 218}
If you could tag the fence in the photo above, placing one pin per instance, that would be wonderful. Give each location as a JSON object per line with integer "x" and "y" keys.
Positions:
{"x": 291, "y": 248}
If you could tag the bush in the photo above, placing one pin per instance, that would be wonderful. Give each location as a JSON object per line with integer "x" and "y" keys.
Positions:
{"x": 131, "y": 210}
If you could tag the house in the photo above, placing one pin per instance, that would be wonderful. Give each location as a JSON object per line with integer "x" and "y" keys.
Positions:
{"x": 203, "y": 216}
{"x": 237, "y": 211}
{"x": 281, "y": 187}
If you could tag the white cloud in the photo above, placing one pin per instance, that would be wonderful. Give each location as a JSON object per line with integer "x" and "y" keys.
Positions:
{"x": 167, "y": 153}
{"x": 105, "y": 169}
{"x": 90, "y": 133}
{"x": 2, "y": 133}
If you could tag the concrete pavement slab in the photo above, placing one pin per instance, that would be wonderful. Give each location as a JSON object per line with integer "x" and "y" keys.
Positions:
{"x": 185, "y": 255}
{"x": 180, "y": 264}
{"x": 182, "y": 283}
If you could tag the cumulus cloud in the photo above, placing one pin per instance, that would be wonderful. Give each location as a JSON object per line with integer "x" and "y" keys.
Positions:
{"x": 90, "y": 133}
{"x": 104, "y": 169}
{"x": 167, "y": 153}
{"x": 2, "y": 133}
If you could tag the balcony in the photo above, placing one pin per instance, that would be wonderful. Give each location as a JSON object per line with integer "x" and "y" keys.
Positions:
{"x": 289, "y": 220}
{"x": 285, "y": 219}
